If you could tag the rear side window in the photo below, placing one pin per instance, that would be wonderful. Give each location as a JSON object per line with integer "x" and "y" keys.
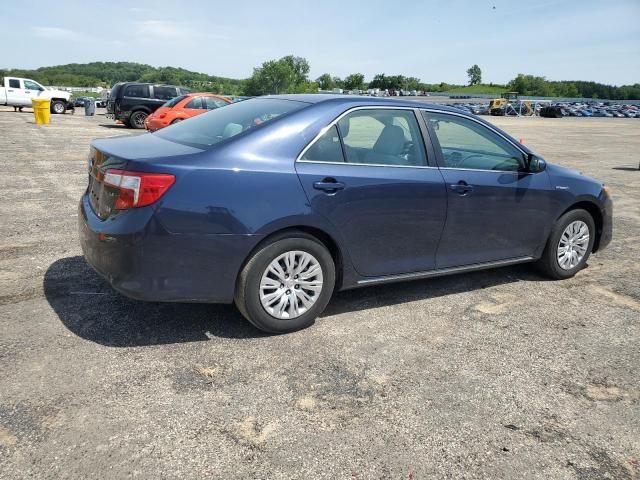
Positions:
{"x": 14, "y": 83}
{"x": 164, "y": 93}
{"x": 327, "y": 148}
{"x": 382, "y": 137}
{"x": 138, "y": 91}
{"x": 206, "y": 130}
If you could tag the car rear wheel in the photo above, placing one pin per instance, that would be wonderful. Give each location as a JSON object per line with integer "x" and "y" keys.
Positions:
{"x": 569, "y": 245}
{"x": 137, "y": 119}
{"x": 286, "y": 284}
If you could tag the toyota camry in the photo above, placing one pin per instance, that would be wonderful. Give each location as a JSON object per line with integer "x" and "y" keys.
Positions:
{"x": 276, "y": 202}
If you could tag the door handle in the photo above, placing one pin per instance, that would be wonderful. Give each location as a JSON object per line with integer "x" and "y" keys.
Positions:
{"x": 329, "y": 185}
{"x": 461, "y": 187}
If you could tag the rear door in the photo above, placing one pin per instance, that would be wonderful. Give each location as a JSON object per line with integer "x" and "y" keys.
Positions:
{"x": 496, "y": 210}
{"x": 371, "y": 176}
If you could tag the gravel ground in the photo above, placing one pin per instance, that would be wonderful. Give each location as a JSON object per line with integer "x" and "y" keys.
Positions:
{"x": 496, "y": 374}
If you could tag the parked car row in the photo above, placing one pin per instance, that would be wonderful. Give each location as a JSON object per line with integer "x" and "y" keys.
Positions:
{"x": 591, "y": 109}
{"x": 557, "y": 110}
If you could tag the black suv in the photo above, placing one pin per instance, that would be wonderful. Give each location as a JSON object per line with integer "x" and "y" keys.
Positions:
{"x": 131, "y": 102}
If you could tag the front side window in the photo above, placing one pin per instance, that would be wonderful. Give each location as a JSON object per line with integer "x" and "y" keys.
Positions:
{"x": 327, "y": 148}
{"x": 212, "y": 103}
{"x": 29, "y": 85}
{"x": 382, "y": 137}
{"x": 164, "y": 93}
{"x": 470, "y": 145}
{"x": 137, "y": 91}
{"x": 206, "y": 130}
{"x": 195, "y": 103}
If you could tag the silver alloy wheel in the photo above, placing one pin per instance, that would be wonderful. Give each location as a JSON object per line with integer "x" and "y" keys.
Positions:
{"x": 291, "y": 284}
{"x": 58, "y": 107}
{"x": 573, "y": 245}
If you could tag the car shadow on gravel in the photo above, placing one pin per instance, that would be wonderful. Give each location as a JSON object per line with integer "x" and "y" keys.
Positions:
{"x": 88, "y": 306}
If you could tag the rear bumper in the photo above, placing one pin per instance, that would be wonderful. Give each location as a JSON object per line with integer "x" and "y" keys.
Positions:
{"x": 141, "y": 260}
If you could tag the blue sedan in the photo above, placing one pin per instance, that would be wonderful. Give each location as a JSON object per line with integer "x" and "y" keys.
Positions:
{"x": 276, "y": 202}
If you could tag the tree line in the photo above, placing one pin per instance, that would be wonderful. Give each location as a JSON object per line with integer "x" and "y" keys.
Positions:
{"x": 290, "y": 74}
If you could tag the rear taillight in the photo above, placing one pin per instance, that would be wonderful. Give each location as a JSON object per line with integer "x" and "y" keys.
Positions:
{"x": 137, "y": 189}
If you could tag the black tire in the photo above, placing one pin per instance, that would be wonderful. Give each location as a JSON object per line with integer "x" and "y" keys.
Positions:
{"x": 247, "y": 295}
{"x": 136, "y": 120}
{"x": 548, "y": 263}
{"x": 58, "y": 107}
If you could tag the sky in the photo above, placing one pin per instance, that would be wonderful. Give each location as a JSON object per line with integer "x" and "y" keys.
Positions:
{"x": 435, "y": 41}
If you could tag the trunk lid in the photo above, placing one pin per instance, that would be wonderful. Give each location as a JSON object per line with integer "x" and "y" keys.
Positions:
{"x": 145, "y": 152}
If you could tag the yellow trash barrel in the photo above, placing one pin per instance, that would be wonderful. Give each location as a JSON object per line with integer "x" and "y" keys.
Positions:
{"x": 41, "y": 110}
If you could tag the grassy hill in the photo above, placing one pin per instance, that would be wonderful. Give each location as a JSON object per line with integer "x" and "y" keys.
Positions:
{"x": 108, "y": 73}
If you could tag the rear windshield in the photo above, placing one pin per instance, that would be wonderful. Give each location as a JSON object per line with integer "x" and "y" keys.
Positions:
{"x": 174, "y": 101}
{"x": 210, "y": 128}
{"x": 115, "y": 89}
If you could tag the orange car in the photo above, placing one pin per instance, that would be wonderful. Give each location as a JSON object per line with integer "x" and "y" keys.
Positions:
{"x": 183, "y": 107}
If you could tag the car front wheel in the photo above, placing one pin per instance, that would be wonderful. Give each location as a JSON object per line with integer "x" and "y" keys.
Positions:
{"x": 569, "y": 245}
{"x": 286, "y": 284}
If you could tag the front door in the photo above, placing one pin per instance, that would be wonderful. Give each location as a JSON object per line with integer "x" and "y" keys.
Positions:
{"x": 32, "y": 90}
{"x": 496, "y": 210}
{"x": 369, "y": 175}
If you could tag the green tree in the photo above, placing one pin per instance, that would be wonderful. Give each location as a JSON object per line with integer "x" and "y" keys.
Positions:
{"x": 355, "y": 81}
{"x": 475, "y": 75}
{"x": 325, "y": 82}
{"x": 299, "y": 68}
{"x": 286, "y": 75}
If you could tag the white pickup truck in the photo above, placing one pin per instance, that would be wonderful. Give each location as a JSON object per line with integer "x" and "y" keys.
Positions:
{"x": 18, "y": 92}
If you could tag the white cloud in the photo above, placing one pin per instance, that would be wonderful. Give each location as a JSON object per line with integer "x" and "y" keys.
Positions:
{"x": 161, "y": 29}
{"x": 54, "y": 32}
{"x": 180, "y": 32}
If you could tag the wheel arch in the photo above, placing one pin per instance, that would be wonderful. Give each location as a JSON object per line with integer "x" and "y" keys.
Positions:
{"x": 595, "y": 212}
{"x": 319, "y": 234}
{"x": 58, "y": 100}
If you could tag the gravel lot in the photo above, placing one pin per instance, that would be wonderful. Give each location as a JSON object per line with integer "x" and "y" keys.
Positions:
{"x": 496, "y": 374}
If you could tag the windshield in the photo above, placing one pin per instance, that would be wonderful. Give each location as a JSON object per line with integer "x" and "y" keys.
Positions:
{"x": 174, "y": 101}
{"x": 210, "y": 128}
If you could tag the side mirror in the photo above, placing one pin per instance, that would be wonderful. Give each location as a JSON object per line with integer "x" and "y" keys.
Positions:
{"x": 534, "y": 164}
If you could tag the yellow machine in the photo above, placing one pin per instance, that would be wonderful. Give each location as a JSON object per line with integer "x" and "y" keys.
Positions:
{"x": 509, "y": 104}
